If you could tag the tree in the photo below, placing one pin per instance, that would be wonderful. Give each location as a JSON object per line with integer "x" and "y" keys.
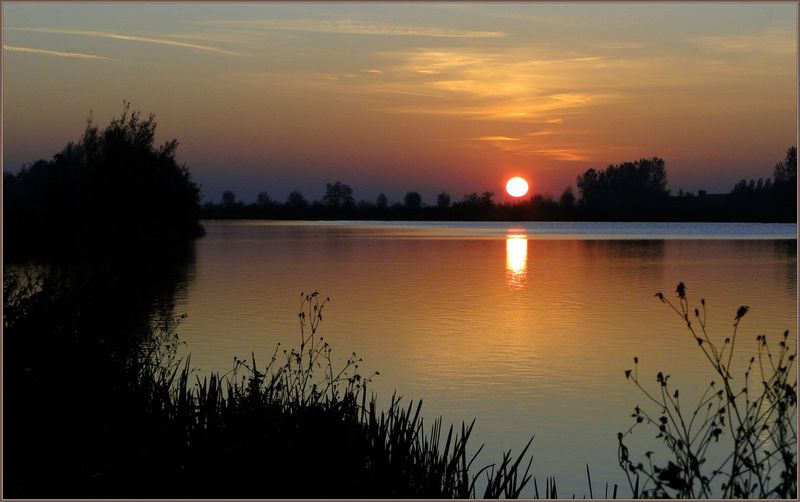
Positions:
{"x": 365, "y": 206}
{"x": 296, "y": 201}
{"x": 785, "y": 175}
{"x": 228, "y": 198}
{"x": 263, "y": 200}
{"x": 740, "y": 187}
{"x": 382, "y": 202}
{"x": 475, "y": 205}
{"x": 443, "y": 200}
{"x": 639, "y": 185}
{"x": 567, "y": 200}
{"x": 412, "y": 201}
{"x": 473, "y": 200}
{"x": 786, "y": 172}
{"x": 112, "y": 184}
{"x": 338, "y": 196}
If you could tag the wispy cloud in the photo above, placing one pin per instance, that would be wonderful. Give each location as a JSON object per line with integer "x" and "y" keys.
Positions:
{"x": 563, "y": 154}
{"x": 356, "y": 28}
{"x": 773, "y": 41}
{"x": 621, "y": 45}
{"x": 512, "y": 85}
{"x": 496, "y": 138}
{"x": 133, "y": 38}
{"x": 76, "y": 55}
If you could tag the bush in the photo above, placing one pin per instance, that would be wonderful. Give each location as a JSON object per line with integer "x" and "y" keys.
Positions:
{"x": 111, "y": 185}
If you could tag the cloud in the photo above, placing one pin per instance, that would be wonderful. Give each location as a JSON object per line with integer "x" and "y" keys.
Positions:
{"x": 133, "y": 38}
{"x": 357, "y": 28}
{"x": 771, "y": 41}
{"x": 512, "y": 85}
{"x": 496, "y": 138}
{"x": 562, "y": 154}
{"x": 76, "y": 55}
{"x": 621, "y": 45}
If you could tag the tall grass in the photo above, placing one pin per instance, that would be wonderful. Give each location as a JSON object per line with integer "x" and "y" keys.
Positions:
{"x": 105, "y": 416}
{"x": 305, "y": 407}
{"x": 750, "y": 417}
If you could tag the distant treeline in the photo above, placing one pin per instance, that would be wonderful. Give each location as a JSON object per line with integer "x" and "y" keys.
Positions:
{"x": 631, "y": 191}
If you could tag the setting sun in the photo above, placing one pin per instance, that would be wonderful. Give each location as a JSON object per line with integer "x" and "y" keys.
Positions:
{"x": 517, "y": 187}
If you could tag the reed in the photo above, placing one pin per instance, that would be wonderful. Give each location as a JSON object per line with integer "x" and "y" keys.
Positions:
{"x": 108, "y": 415}
{"x": 319, "y": 410}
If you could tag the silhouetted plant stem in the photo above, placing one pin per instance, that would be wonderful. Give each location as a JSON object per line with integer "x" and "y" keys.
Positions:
{"x": 751, "y": 423}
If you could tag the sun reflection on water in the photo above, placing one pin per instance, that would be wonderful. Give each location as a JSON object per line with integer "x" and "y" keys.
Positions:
{"x": 516, "y": 261}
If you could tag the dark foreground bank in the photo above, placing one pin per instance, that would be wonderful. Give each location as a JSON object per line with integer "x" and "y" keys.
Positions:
{"x": 98, "y": 405}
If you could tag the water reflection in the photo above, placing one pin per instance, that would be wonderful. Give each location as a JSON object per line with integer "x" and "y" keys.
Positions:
{"x": 516, "y": 261}
{"x": 435, "y": 314}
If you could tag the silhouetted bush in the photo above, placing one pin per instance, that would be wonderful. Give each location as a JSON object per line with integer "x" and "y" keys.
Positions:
{"x": 111, "y": 185}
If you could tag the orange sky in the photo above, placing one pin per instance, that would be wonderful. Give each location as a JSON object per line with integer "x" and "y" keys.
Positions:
{"x": 398, "y": 97}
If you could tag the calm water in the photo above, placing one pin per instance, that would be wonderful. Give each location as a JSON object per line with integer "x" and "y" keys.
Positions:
{"x": 526, "y": 327}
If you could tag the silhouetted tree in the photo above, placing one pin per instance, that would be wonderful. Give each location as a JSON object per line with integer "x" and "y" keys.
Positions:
{"x": 111, "y": 184}
{"x": 228, "y": 198}
{"x": 296, "y": 201}
{"x": 785, "y": 184}
{"x": 567, "y": 200}
{"x": 473, "y": 200}
{"x": 620, "y": 188}
{"x": 338, "y": 196}
{"x": 365, "y": 206}
{"x": 263, "y": 200}
{"x": 382, "y": 202}
{"x": 786, "y": 171}
{"x": 443, "y": 200}
{"x": 412, "y": 201}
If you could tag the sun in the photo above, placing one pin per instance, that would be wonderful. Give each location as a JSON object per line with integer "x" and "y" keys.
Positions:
{"x": 517, "y": 187}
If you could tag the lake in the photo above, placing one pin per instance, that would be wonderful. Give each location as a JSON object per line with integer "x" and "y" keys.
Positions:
{"x": 526, "y": 327}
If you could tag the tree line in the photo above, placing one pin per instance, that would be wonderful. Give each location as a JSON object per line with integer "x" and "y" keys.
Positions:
{"x": 630, "y": 191}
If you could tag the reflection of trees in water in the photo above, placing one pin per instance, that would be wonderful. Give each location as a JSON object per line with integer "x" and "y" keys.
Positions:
{"x": 622, "y": 255}
{"x": 785, "y": 250}
{"x": 622, "y": 265}
{"x": 650, "y": 249}
{"x": 782, "y": 251}
{"x": 70, "y": 363}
